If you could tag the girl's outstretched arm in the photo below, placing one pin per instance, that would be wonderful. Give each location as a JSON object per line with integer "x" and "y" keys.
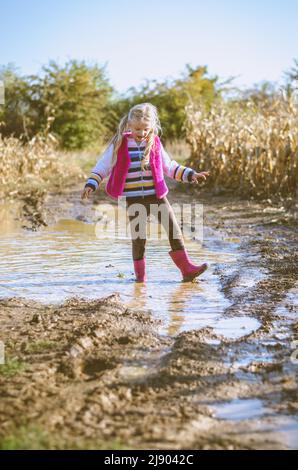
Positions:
{"x": 102, "y": 168}
{"x": 174, "y": 170}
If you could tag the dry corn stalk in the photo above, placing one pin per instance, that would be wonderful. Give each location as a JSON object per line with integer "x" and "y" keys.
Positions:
{"x": 247, "y": 148}
{"x": 35, "y": 164}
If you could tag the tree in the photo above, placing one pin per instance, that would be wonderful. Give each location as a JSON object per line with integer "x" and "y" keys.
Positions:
{"x": 75, "y": 97}
{"x": 171, "y": 97}
{"x": 14, "y": 114}
{"x": 292, "y": 74}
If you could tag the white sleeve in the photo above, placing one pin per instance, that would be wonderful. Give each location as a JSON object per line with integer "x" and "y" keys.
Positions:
{"x": 102, "y": 169}
{"x": 173, "y": 169}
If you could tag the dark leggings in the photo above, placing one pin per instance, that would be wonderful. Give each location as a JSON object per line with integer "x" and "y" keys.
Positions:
{"x": 172, "y": 228}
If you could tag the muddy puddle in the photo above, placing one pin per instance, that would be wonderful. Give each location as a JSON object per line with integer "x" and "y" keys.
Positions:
{"x": 71, "y": 258}
{"x": 166, "y": 364}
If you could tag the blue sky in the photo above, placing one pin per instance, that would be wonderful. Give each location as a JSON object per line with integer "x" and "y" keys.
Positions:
{"x": 254, "y": 40}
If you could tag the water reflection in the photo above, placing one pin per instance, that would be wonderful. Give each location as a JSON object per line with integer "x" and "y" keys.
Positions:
{"x": 68, "y": 259}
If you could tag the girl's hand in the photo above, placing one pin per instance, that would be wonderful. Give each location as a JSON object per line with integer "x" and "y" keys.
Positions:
{"x": 86, "y": 192}
{"x": 198, "y": 176}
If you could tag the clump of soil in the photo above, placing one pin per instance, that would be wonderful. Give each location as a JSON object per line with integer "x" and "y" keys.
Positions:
{"x": 95, "y": 374}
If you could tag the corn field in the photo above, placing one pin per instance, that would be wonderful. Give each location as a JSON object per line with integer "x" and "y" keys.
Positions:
{"x": 35, "y": 165}
{"x": 249, "y": 149}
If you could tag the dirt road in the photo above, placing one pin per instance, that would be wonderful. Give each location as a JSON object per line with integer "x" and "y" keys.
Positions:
{"x": 99, "y": 374}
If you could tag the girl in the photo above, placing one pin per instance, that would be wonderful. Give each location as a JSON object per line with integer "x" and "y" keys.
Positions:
{"x": 135, "y": 161}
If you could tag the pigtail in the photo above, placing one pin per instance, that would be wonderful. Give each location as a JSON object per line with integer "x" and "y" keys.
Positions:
{"x": 117, "y": 138}
{"x": 153, "y": 115}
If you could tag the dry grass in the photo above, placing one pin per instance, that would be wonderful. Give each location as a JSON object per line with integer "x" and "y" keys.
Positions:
{"x": 37, "y": 165}
{"x": 250, "y": 149}
{"x": 179, "y": 150}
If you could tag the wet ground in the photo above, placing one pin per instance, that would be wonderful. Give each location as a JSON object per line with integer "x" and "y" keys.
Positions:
{"x": 94, "y": 359}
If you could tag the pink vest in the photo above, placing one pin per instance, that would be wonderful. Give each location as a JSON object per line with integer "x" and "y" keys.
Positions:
{"x": 116, "y": 181}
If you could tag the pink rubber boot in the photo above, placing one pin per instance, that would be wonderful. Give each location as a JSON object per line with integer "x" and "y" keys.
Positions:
{"x": 140, "y": 269}
{"x": 188, "y": 269}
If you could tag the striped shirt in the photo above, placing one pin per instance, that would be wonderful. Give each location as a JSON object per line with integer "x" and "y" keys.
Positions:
{"x": 138, "y": 182}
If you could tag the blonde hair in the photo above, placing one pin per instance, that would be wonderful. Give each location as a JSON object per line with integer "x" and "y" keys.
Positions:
{"x": 140, "y": 112}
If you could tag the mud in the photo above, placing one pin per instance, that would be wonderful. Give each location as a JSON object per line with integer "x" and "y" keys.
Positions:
{"x": 99, "y": 374}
